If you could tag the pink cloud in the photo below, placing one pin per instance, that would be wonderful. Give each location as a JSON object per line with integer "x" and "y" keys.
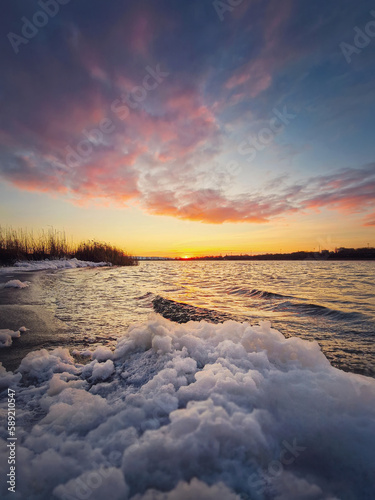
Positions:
{"x": 370, "y": 220}
{"x": 212, "y": 206}
{"x": 112, "y": 170}
{"x": 185, "y": 125}
{"x": 349, "y": 191}
{"x": 154, "y": 158}
{"x": 355, "y": 195}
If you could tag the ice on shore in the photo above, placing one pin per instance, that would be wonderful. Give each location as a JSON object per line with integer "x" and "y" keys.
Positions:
{"x": 6, "y": 336}
{"x": 54, "y": 264}
{"x": 102, "y": 371}
{"x": 16, "y": 284}
{"x": 198, "y": 410}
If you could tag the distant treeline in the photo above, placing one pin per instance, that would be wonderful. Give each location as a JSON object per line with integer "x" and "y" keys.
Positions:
{"x": 20, "y": 245}
{"x": 339, "y": 254}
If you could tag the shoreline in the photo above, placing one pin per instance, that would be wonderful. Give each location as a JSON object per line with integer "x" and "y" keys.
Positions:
{"x": 20, "y": 307}
{"x": 47, "y": 330}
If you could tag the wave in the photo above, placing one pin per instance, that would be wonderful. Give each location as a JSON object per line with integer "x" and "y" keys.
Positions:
{"x": 256, "y": 293}
{"x": 147, "y": 295}
{"x": 300, "y": 308}
{"x": 317, "y": 310}
{"x": 181, "y": 312}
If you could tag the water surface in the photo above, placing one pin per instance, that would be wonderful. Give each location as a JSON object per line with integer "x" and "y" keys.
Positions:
{"x": 331, "y": 302}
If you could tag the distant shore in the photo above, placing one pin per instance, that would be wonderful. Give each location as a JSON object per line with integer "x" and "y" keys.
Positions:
{"x": 367, "y": 253}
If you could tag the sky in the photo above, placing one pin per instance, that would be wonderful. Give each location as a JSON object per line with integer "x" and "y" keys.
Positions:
{"x": 190, "y": 127}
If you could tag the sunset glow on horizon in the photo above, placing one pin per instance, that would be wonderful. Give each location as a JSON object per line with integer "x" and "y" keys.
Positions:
{"x": 182, "y": 130}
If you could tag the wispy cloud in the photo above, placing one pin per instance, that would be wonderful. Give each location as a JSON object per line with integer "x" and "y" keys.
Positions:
{"x": 167, "y": 155}
{"x": 350, "y": 191}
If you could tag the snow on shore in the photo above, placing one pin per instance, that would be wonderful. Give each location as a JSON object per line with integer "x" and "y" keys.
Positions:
{"x": 198, "y": 410}
{"x": 6, "y": 336}
{"x": 41, "y": 265}
{"x": 16, "y": 284}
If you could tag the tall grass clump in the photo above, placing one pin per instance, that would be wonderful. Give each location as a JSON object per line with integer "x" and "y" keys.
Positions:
{"x": 20, "y": 245}
{"x": 102, "y": 252}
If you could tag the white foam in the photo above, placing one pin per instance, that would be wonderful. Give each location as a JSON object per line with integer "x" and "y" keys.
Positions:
{"x": 194, "y": 411}
{"x": 6, "y": 336}
{"x": 102, "y": 371}
{"x": 96, "y": 485}
{"x": 196, "y": 490}
{"x": 102, "y": 354}
{"x": 8, "y": 379}
{"x": 16, "y": 284}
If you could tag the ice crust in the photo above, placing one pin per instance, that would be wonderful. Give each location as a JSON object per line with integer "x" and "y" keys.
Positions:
{"x": 54, "y": 264}
{"x": 16, "y": 284}
{"x": 6, "y": 336}
{"x": 205, "y": 411}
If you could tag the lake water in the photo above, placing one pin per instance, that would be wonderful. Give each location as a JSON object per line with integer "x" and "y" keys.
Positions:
{"x": 166, "y": 411}
{"x": 331, "y": 302}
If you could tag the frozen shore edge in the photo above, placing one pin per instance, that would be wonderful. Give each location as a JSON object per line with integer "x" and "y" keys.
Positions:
{"x": 223, "y": 410}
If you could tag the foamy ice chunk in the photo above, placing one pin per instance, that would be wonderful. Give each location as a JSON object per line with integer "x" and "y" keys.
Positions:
{"x": 204, "y": 411}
